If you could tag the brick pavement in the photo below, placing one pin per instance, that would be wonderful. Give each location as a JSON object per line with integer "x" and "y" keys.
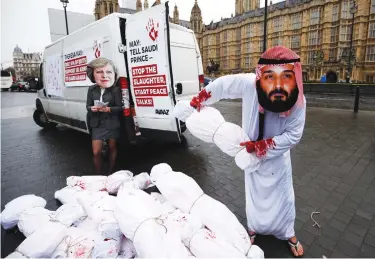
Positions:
{"x": 334, "y": 170}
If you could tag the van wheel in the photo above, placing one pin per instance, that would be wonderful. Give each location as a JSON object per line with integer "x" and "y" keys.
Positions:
{"x": 41, "y": 120}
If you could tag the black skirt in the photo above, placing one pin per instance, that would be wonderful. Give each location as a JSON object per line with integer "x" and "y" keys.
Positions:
{"x": 102, "y": 133}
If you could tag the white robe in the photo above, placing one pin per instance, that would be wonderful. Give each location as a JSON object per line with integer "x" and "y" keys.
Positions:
{"x": 270, "y": 204}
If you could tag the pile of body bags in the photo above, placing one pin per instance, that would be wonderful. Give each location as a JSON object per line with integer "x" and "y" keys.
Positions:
{"x": 113, "y": 217}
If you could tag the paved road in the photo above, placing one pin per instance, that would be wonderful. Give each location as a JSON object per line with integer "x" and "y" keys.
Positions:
{"x": 334, "y": 171}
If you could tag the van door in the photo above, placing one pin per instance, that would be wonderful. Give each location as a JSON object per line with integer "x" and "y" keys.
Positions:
{"x": 185, "y": 63}
{"x": 54, "y": 84}
{"x": 151, "y": 79}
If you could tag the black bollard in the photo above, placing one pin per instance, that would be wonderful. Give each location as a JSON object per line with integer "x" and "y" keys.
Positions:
{"x": 356, "y": 103}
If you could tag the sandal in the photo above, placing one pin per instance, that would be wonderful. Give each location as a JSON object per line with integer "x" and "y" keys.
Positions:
{"x": 296, "y": 247}
{"x": 252, "y": 236}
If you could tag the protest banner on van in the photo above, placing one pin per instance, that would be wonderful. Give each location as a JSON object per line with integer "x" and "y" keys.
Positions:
{"x": 76, "y": 60}
{"x": 147, "y": 46}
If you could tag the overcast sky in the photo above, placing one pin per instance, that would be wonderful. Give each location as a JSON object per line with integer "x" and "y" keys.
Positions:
{"x": 25, "y": 22}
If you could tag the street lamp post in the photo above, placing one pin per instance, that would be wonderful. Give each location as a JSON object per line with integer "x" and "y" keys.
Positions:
{"x": 353, "y": 10}
{"x": 265, "y": 26}
{"x": 65, "y": 3}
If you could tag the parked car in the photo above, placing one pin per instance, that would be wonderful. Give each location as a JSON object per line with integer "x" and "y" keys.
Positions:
{"x": 20, "y": 86}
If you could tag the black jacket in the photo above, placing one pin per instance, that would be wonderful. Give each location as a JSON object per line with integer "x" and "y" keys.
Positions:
{"x": 111, "y": 95}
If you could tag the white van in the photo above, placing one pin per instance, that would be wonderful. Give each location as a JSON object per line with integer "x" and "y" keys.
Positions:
{"x": 6, "y": 80}
{"x": 158, "y": 63}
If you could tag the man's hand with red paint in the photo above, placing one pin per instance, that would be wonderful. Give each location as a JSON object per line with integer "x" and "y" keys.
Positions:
{"x": 197, "y": 101}
{"x": 259, "y": 147}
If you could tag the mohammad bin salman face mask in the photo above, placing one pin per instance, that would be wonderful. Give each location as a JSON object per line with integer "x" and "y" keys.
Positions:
{"x": 279, "y": 80}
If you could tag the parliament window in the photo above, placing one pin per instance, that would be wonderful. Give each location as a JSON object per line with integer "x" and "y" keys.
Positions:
{"x": 372, "y": 6}
{"x": 334, "y": 34}
{"x": 250, "y": 30}
{"x": 345, "y": 32}
{"x": 345, "y": 10}
{"x": 372, "y": 30}
{"x": 238, "y": 63}
{"x": 333, "y": 54}
{"x": 314, "y": 38}
{"x": 260, "y": 46}
{"x": 238, "y": 32}
{"x": 276, "y": 41}
{"x": 218, "y": 39}
{"x": 278, "y": 24}
{"x": 296, "y": 21}
{"x": 295, "y": 42}
{"x": 110, "y": 8}
{"x": 225, "y": 36}
{"x": 370, "y": 53}
{"x": 370, "y": 78}
{"x": 310, "y": 57}
{"x": 314, "y": 16}
{"x": 335, "y": 13}
{"x": 247, "y": 62}
{"x": 225, "y": 64}
{"x": 261, "y": 29}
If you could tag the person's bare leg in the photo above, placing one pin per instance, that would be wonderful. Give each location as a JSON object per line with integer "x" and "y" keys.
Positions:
{"x": 97, "y": 146}
{"x": 252, "y": 235}
{"x": 112, "y": 147}
{"x": 295, "y": 247}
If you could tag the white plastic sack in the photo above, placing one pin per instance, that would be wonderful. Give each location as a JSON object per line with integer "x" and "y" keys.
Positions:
{"x": 88, "y": 224}
{"x": 68, "y": 194}
{"x": 228, "y": 138}
{"x": 127, "y": 249}
{"x": 96, "y": 204}
{"x": 16, "y": 255}
{"x": 218, "y": 218}
{"x": 110, "y": 228}
{"x": 142, "y": 180}
{"x": 179, "y": 189}
{"x": 33, "y": 219}
{"x": 210, "y": 126}
{"x": 114, "y": 181}
{"x": 134, "y": 207}
{"x": 14, "y": 208}
{"x": 106, "y": 248}
{"x": 246, "y": 161}
{"x": 44, "y": 241}
{"x": 205, "y": 123}
{"x": 68, "y": 213}
{"x": 77, "y": 243}
{"x": 91, "y": 183}
{"x": 165, "y": 206}
{"x": 201, "y": 242}
{"x": 182, "y": 110}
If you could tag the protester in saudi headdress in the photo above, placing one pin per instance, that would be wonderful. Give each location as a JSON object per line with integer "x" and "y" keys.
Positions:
{"x": 273, "y": 116}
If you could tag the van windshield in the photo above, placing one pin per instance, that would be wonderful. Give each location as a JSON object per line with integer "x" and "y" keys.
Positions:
{"x": 5, "y": 73}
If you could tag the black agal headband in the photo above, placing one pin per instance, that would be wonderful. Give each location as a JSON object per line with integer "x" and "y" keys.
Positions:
{"x": 266, "y": 61}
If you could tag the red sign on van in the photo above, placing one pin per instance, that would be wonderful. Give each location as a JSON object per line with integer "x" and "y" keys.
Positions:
{"x": 149, "y": 81}
{"x": 151, "y": 91}
{"x": 145, "y": 70}
{"x": 145, "y": 102}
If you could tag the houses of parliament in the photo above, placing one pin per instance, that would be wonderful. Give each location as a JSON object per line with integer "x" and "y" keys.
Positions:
{"x": 318, "y": 30}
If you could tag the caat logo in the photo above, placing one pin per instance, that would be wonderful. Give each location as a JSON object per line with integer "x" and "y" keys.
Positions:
{"x": 96, "y": 48}
{"x": 162, "y": 112}
{"x": 153, "y": 29}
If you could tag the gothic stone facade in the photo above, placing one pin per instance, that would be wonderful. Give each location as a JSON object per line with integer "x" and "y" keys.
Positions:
{"x": 318, "y": 30}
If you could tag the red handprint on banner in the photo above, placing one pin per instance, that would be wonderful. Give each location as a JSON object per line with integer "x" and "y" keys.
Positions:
{"x": 97, "y": 46}
{"x": 153, "y": 29}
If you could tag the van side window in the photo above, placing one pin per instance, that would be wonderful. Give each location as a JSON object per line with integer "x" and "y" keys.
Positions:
{"x": 40, "y": 80}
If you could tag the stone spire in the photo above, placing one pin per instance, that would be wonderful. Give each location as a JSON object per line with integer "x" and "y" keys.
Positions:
{"x": 139, "y": 6}
{"x": 196, "y": 20}
{"x": 176, "y": 15}
{"x": 104, "y": 8}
